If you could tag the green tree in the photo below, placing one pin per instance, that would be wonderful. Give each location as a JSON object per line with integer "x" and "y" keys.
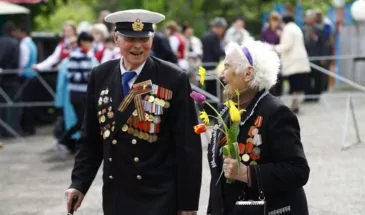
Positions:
{"x": 61, "y": 11}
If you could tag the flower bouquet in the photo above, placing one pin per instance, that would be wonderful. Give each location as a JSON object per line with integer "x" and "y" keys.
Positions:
{"x": 230, "y": 129}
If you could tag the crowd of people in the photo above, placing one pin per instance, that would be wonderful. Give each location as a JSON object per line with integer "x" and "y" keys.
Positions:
{"x": 171, "y": 42}
{"x": 151, "y": 153}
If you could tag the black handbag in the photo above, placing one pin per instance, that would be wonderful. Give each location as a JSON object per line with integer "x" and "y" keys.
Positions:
{"x": 252, "y": 207}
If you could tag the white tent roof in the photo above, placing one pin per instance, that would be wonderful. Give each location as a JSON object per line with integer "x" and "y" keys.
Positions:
{"x": 9, "y": 8}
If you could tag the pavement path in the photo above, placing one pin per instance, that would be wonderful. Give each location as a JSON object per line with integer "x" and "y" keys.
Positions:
{"x": 33, "y": 178}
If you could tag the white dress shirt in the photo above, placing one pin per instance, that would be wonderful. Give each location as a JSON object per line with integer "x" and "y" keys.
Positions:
{"x": 137, "y": 70}
{"x": 24, "y": 53}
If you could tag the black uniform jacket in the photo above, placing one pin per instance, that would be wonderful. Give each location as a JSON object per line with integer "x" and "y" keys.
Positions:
{"x": 269, "y": 141}
{"x": 151, "y": 166}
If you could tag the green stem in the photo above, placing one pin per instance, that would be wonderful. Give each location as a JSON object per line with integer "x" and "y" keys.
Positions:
{"x": 219, "y": 116}
{"x": 220, "y": 81}
{"x": 218, "y": 129}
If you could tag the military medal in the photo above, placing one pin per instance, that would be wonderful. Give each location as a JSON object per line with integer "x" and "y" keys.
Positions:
{"x": 151, "y": 99}
{"x": 106, "y": 134}
{"x": 167, "y": 104}
{"x": 157, "y": 120}
{"x": 245, "y": 157}
{"x": 253, "y": 163}
{"x": 125, "y": 128}
{"x": 257, "y": 141}
{"x": 258, "y": 121}
{"x": 154, "y": 138}
{"x": 102, "y": 119}
{"x": 152, "y": 128}
{"x": 110, "y": 115}
{"x": 249, "y": 147}
{"x": 256, "y": 151}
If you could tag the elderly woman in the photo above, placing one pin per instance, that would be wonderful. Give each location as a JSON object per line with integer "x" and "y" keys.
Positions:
{"x": 269, "y": 139}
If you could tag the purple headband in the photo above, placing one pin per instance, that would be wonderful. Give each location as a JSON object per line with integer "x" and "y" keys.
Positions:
{"x": 248, "y": 55}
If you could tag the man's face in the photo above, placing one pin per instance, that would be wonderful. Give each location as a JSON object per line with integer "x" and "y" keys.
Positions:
{"x": 219, "y": 30}
{"x": 135, "y": 51}
{"x": 16, "y": 33}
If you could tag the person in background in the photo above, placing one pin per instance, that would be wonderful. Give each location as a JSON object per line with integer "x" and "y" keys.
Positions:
{"x": 10, "y": 83}
{"x": 194, "y": 48}
{"x": 161, "y": 47}
{"x": 101, "y": 20}
{"x": 271, "y": 35}
{"x": 212, "y": 47}
{"x": 100, "y": 34}
{"x": 294, "y": 59}
{"x": 237, "y": 32}
{"x": 177, "y": 43}
{"x": 326, "y": 26}
{"x": 78, "y": 66}
{"x": 62, "y": 50}
{"x": 28, "y": 56}
{"x": 112, "y": 51}
{"x": 315, "y": 44}
{"x": 213, "y": 51}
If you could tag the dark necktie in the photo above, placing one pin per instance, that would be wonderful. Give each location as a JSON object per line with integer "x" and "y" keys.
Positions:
{"x": 126, "y": 77}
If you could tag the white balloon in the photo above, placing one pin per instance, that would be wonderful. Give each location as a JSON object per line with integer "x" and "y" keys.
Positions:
{"x": 358, "y": 10}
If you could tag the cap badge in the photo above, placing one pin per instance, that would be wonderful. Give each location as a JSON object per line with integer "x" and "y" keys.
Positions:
{"x": 137, "y": 25}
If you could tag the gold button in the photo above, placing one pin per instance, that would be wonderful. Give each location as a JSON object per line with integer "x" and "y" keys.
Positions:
{"x": 111, "y": 177}
{"x": 136, "y": 159}
{"x": 114, "y": 142}
{"x": 110, "y": 159}
{"x": 134, "y": 141}
{"x": 139, "y": 177}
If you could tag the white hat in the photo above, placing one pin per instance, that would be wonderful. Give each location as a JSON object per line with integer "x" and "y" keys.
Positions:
{"x": 135, "y": 23}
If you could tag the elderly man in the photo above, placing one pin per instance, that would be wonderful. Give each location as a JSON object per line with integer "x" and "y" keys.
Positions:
{"x": 139, "y": 120}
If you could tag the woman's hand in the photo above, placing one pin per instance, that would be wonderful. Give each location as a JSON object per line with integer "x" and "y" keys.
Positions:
{"x": 233, "y": 171}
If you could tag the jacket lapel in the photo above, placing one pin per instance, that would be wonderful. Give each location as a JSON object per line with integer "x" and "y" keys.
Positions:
{"x": 116, "y": 86}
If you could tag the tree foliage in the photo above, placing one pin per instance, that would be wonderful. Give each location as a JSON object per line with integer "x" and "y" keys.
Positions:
{"x": 77, "y": 11}
{"x": 198, "y": 13}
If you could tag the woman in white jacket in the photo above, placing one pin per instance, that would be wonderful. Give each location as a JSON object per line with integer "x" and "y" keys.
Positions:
{"x": 295, "y": 62}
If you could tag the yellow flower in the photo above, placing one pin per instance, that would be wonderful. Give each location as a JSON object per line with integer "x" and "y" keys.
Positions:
{"x": 234, "y": 113}
{"x": 202, "y": 74}
{"x": 230, "y": 103}
{"x": 204, "y": 116}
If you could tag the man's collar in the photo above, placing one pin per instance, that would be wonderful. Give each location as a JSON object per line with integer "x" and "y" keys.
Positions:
{"x": 137, "y": 70}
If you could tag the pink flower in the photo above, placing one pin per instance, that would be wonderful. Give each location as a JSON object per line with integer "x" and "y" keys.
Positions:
{"x": 198, "y": 97}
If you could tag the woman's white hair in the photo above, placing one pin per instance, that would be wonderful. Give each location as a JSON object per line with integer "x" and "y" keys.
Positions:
{"x": 265, "y": 62}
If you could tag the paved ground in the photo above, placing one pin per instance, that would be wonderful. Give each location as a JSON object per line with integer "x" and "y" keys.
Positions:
{"x": 33, "y": 179}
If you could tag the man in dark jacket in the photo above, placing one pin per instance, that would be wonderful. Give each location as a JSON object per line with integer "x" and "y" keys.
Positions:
{"x": 161, "y": 48}
{"x": 213, "y": 50}
{"x": 9, "y": 60}
{"x": 139, "y": 120}
{"x": 315, "y": 45}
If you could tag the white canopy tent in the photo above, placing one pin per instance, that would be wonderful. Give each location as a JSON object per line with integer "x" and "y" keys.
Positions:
{"x": 9, "y": 8}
